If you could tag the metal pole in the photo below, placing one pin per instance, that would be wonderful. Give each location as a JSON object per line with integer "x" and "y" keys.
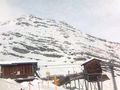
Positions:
{"x": 79, "y": 83}
{"x": 70, "y": 80}
{"x": 101, "y": 85}
{"x": 113, "y": 76}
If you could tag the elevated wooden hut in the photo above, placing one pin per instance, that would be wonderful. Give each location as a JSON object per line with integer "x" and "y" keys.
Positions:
{"x": 92, "y": 73}
{"x": 92, "y": 70}
{"x": 92, "y": 66}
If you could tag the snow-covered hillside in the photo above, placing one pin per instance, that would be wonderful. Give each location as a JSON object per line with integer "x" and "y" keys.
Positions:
{"x": 55, "y": 44}
{"x": 31, "y": 37}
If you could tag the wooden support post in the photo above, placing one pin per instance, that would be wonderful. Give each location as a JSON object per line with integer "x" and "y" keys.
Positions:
{"x": 98, "y": 83}
{"x": 74, "y": 80}
{"x": 70, "y": 85}
{"x": 86, "y": 85}
{"x": 75, "y": 83}
{"x": 101, "y": 85}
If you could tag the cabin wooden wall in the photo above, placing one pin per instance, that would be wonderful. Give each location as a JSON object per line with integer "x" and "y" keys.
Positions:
{"x": 16, "y": 71}
{"x": 93, "y": 66}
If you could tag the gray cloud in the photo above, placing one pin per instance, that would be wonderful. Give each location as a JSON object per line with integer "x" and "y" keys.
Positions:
{"x": 7, "y": 11}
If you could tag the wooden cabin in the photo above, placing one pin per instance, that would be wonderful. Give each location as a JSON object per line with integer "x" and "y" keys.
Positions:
{"x": 17, "y": 69}
{"x": 92, "y": 69}
{"x": 92, "y": 66}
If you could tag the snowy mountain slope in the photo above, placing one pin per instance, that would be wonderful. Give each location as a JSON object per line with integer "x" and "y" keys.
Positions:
{"x": 47, "y": 40}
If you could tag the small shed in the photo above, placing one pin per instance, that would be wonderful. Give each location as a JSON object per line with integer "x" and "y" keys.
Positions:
{"x": 92, "y": 66}
{"x": 92, "y": 69}
{"x": 17, "y": 69}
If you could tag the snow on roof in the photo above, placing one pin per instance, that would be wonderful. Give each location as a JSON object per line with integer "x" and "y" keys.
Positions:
{"x": 4, "y": 62}
{"x": 88, "y": 60}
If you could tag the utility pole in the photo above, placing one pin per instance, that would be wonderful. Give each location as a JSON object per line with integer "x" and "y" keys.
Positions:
{"x": 113, "y": 75}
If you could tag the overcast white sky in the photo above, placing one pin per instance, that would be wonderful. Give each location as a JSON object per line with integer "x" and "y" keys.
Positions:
{"x": 97, "y": 17}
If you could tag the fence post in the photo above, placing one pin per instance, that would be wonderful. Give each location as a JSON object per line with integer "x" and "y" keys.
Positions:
{"x": 48, "y": 76}
{"x": 42, "y": 84}
{"x": 29, "y": 85}
{"x": 55, "y": 81}
{"x": 38, "y": 85}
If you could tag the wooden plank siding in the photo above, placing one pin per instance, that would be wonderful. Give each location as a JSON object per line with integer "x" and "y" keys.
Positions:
{"x": 93, "y": 66}
{"x": 92, "y": 70}
{"x": 16, "y": 71}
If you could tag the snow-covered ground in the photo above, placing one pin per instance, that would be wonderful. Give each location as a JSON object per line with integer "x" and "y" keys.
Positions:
{"x": 8, "y": 84}
{"x": 54, "y": 69}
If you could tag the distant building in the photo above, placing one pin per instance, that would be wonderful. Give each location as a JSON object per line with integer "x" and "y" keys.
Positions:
{"x": 93, "y": 71}
{"x": 19, "y": 70}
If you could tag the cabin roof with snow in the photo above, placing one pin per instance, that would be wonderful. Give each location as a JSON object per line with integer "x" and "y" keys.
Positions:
{"x": 17, "y": 62}
{"x": 90, "y": 60}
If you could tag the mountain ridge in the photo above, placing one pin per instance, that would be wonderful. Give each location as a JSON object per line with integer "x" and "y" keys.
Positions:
{"x": 31, "y": 37}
